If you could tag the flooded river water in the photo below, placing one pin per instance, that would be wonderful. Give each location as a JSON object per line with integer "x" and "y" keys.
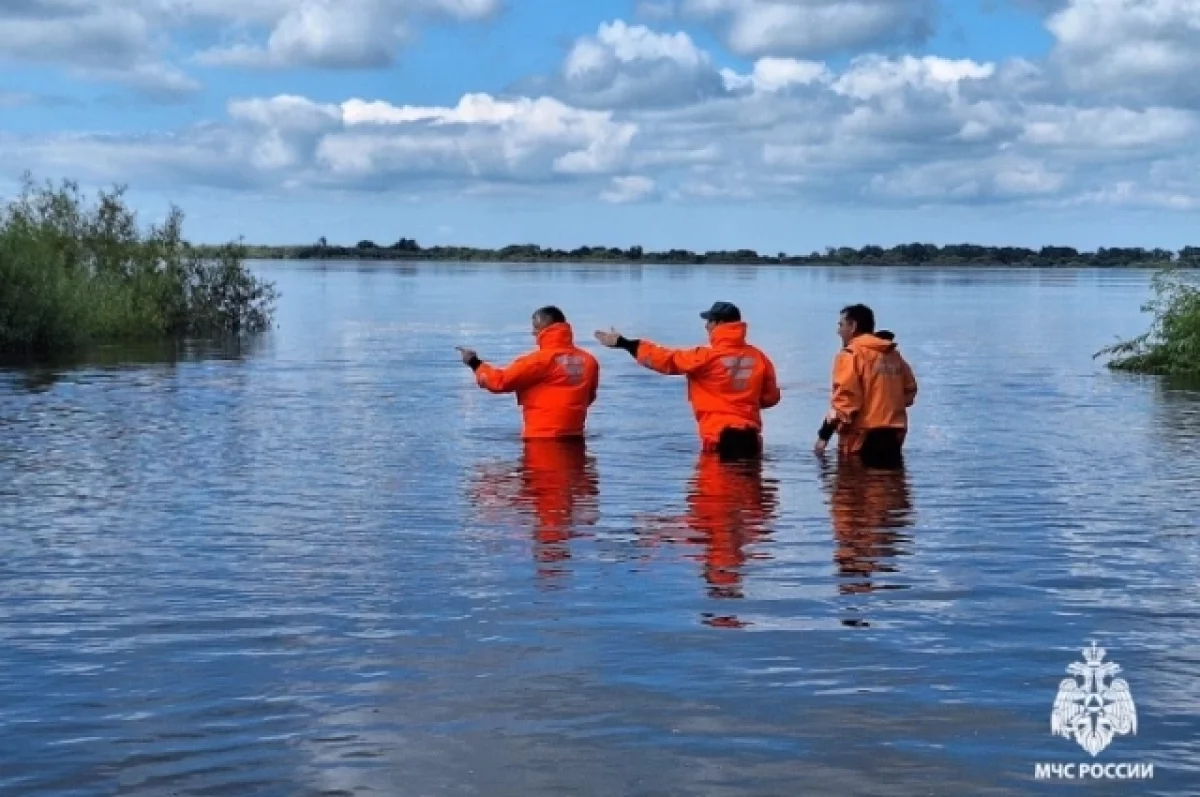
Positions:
{"x": 326, "y": 565}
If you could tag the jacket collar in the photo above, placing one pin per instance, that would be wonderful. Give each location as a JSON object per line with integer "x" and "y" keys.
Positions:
{"x": 728, "y": 335}
{"x": 556, "y": 336}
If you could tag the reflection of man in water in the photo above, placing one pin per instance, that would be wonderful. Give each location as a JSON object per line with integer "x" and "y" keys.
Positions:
{"x": 868, "y": 507}
{"x": 559, "y": 487}
{"x": 555, "y": 489}
{"x": 730, "y": 506}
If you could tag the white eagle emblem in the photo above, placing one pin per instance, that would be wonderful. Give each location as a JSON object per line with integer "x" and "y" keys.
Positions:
{"x": 1095, "y": 708}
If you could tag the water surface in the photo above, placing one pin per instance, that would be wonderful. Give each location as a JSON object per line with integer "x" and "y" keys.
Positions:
{"x": 327, "y": 565}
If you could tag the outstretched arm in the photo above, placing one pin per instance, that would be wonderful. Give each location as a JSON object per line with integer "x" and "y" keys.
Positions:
{"x": 672, "y": 362}
{"x": 521, "y": 373}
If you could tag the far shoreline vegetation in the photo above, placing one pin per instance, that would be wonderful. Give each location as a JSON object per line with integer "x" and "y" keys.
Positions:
{"x": 74, "y": 277}
{"x": 912, "y": 254}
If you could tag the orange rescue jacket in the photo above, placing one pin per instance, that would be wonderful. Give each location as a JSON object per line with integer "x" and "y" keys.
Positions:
{"x": 730, "y": 382}
{"x": 555, "y": 384}
{"x": 873, "y": 387}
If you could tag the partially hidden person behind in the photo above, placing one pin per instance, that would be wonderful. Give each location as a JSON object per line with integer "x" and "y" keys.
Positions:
{"x": 873, "y": 387}
{"x": 555, "y": 384}
{"x": 729, "y": 381}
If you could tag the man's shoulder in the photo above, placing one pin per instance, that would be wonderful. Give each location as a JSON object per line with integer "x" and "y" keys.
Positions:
{"x": 756, "y": 352}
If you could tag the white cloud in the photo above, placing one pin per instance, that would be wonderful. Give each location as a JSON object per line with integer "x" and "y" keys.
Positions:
{"x": 115, "y": 42}
{"x": 335, "y": 34}
{"x": 814, "y": 27}
{"x": 874, "y": 76}
{"x": 776, "y": 74}
{"x": 358, "y": 144}
{"x": 634, "y": 114}
{"x": 481, "y": 136}
{"x": 1133, "y": 50}
{"x": 130, "y": 41}
{"x": 286, "y": 112}
{"x": 630, "y": 65}
{"x": 1129, "y": 193}
{"x": 1000, "y": 177}
{"x": 628, "y": 189}
{"x": 1143, "y": 132}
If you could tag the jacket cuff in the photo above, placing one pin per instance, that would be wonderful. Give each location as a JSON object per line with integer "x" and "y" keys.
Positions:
{"x": 628, "y": 345}
{"x": 474, "y": 362}
{"x": 826, "y": 431}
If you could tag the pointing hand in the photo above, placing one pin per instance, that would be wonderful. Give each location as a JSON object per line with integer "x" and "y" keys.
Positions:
{"x": 467, "y": 354}
{"x": 609, "y": 338}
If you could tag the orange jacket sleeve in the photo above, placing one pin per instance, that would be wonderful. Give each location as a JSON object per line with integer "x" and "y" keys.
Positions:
{"x": 770, "y": 386}
{"x": 672, "y": 362}
{"x": 847, "y": 400}
{"x": 521, "y": 373}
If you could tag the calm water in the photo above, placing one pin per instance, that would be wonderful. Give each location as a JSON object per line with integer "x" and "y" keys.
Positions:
{"x": 327, "y": 565}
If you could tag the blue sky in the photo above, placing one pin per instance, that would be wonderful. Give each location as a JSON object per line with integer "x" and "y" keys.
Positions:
{"x": 777, "y": 125}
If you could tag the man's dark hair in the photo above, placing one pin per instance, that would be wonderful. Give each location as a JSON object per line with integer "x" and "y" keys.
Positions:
{"x": 862, "y": 316}
{"x": 549, "y": 315}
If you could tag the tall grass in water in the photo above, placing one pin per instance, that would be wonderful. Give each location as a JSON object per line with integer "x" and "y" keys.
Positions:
{"x": 74, "y": 274}
{"x": 1171, "y": 347}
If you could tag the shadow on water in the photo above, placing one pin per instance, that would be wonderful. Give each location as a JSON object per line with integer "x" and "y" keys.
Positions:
{"x": 730, "y": 506}
{"x": 554, "y": 491}
{"x": 869, "y": 509}
{"x": 38, "y": 374}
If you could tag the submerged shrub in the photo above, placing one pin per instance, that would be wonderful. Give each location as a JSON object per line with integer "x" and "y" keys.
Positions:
{"x": 73, "y": 274}
{"x": 1171, "y": 347}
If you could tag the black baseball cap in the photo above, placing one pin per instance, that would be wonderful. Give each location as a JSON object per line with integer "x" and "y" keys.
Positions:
{"x": 722, "y": 312}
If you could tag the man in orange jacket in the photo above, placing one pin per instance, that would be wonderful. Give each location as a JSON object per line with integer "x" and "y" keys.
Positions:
{"x": 555, "y": 384}
{"x": 873, "y": 387}
{"x": 729, "y": 381}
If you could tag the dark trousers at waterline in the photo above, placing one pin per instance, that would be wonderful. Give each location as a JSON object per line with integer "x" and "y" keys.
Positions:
{"x": 739, "y": 444}
{"x": 883, "y": 448}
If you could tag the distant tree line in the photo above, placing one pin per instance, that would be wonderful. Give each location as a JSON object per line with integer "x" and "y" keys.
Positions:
{"x": 912, "y": 254}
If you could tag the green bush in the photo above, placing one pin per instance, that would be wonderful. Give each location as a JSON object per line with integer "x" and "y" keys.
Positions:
{"x": 74, "y": 275}
{"x": 1171, "y": 347}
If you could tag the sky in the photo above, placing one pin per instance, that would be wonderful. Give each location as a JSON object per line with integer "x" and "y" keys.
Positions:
{"x": 774, "y": 125}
